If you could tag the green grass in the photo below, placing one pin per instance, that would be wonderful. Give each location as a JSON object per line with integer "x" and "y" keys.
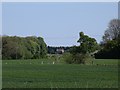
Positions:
{"x": 0, "y": 74}
{"x": 106, "y": 61}
{"x": 33, "y": 74}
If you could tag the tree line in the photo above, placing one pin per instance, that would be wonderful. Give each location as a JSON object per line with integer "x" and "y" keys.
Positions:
{"x": 32, "y": 47}
{"x": 53, "y": 49}
{"x": 109, "y": 48}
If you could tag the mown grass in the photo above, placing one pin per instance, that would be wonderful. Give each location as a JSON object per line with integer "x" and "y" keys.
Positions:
{"x": 34, "y": 74}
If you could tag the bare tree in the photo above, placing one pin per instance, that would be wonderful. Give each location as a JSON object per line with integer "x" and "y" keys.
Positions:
{"x": 113, "y": 31}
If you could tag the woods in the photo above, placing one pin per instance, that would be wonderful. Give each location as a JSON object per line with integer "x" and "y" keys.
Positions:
{"x": 31, "y": 47}
{"x": 110, "y": 46}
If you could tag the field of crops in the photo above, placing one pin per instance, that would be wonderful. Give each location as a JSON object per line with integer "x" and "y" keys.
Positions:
{"x": 46, "y": 74}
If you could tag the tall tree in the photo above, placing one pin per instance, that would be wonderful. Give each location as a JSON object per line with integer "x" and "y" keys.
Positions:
{"x": 112, "y": 31}
{"x": 111, "y": 41}
{"x": 87, "y": 43}
{"x": 80, "y": 54}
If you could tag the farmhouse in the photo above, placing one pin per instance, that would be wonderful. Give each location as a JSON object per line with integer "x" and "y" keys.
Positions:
{"x": 59, "y": 50}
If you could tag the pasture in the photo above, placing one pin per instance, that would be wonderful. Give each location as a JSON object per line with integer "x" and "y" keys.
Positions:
{"x": 46, "y": 74}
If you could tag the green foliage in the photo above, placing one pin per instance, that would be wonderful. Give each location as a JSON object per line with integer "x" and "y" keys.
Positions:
{"x": 75, "y": 49}
{"x": 53, "y": 49}
{"x": 68, "y": 58}
{"x": 87, "y": 44}
{"x": 81, "y": 54}
{"x": 111, "y": 41}
{"x": 77, "y": 58}
{"x": 23, "y": 48}
{"x": 111, "y": 50}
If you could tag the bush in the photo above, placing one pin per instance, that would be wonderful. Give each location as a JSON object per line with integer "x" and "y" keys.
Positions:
{"x": 77, "y": 58}
{"x": 67, "y": 57}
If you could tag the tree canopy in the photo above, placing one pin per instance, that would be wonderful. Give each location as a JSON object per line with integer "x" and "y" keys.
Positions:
{"x": 87, "y": 44}
{"x": 111, "y": 41}
{"x": 79, "y": 54}
{"x": 113, "y": 31}
{"x": 31, "y": 47}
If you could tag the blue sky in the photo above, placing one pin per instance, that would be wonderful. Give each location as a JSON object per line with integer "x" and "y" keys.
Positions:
{"x": 58, "y": 23}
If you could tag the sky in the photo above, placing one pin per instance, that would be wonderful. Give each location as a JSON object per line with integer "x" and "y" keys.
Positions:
{"x": 60, "y": 0}
{"x": 58, "y": 23}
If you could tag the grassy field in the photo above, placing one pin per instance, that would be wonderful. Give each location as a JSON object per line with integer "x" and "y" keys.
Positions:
{"x": 45, "y": 74}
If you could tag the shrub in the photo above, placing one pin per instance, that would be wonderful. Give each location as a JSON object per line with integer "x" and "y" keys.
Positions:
{"x": 77, "y": 58}
{"x": 68, "y": 58}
